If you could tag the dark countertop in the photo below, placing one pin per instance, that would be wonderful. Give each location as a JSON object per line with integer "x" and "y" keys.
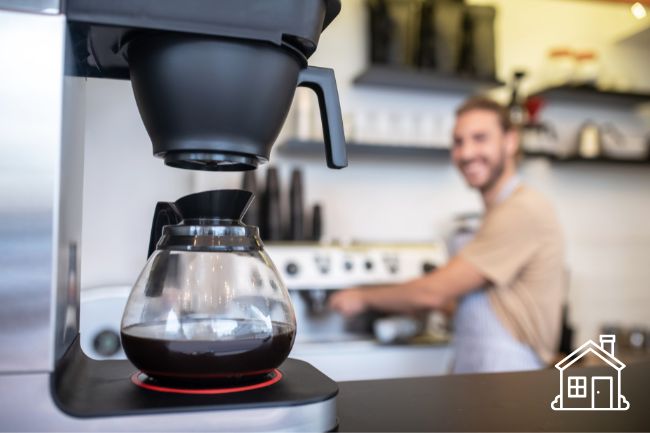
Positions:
{"x": 486, "y": 402}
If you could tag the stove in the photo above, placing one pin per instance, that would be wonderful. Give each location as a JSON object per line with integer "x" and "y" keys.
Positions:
{"x": 312, "y": 266}
{"x": 312, "y": 272}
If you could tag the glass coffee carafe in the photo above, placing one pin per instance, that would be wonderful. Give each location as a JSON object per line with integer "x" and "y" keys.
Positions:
{"x": 209, "y": 303}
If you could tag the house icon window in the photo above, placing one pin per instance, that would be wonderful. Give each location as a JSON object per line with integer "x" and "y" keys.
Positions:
{"x": 596, "y": 392}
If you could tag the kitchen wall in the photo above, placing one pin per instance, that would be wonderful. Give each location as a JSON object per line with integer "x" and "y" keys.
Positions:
{"x": 122, "y": 183}
{"x": 526, "y": 29}
{"x": 603, "y": 208}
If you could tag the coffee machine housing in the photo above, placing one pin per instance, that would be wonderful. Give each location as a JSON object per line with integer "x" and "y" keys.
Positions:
{"x": 46, "y": 382}
{"x": 213, "y": 81}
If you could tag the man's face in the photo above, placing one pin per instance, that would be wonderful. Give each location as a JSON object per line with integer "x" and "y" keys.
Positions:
{"x": 480, "y": 148}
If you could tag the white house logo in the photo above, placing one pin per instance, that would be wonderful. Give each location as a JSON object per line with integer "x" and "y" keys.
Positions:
{"x": 581, "y": 391}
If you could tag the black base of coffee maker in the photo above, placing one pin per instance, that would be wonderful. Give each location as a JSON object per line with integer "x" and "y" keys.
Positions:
{"x": 83, "y": 387}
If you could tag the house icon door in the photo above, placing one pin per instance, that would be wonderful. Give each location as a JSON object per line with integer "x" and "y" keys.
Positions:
{"x": 601, "y": 392}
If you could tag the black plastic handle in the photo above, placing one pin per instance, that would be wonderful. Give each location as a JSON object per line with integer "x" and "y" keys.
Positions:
{"x": 323, "y": 83}
{"x": 165, "y": 214}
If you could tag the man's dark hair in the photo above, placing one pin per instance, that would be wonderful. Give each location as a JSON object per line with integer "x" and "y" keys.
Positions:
{"x": 487, "y": 104}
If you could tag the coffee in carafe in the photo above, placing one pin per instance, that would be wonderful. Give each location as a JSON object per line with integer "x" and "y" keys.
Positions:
{"x": 208, "y": 358}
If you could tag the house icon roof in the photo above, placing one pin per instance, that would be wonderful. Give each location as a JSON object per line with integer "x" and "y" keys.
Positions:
{"x": 578, "y": 394}
{"x": 604, "y": 351}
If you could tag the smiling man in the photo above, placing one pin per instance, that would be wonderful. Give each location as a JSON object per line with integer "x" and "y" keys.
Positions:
{"x": 509, "y": 280}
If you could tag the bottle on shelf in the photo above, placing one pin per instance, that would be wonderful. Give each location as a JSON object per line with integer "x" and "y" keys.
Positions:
{"x": 271, "y": 227}
{"x": 515, "y": 106}
{"x": 316, "y": 223}
{"x": 587, "y": 70}
{"x": 296, "y": 210}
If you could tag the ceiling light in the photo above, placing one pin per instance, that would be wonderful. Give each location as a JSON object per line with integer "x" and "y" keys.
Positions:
{"x": 638, "y": 11}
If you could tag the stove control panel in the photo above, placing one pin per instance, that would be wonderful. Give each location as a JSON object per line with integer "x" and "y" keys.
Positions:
{"x": 318, "y": 266}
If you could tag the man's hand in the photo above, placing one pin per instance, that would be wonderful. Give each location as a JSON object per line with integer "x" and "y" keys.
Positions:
{"x": 348, "y": 302}
{"x": 433, "y": 291}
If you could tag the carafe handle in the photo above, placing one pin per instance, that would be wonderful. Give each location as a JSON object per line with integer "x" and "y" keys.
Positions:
{"x": 323, "y": 83}
{"x": 165, "y": 214}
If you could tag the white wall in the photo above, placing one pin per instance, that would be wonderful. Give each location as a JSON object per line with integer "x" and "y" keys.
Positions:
{"x": 526, "y": 29}
{"x": 603, "y": 208}
{"x": 122, "y": 183}
{"x": 604, "y": 211}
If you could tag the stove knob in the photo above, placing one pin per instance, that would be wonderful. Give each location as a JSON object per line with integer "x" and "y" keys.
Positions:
{"x": 369, "y": 265}
{"x": 107, "y": 343}
{"x": 348, "y": 265}
{"x": 291, "y": 269}
{"x": 428, "y": 267}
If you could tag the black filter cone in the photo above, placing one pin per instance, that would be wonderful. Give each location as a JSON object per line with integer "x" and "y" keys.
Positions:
{"x": 222, "y": 203}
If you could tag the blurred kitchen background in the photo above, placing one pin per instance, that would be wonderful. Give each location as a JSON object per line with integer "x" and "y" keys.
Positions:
{"x": 574, "y": 71}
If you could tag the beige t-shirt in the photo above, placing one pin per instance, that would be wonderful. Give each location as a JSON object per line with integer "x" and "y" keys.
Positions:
{"x": 519, "y": 248}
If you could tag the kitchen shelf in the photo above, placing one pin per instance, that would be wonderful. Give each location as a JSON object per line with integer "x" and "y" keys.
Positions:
{"x": 422, "y": 79}
{"x": 361, "y": 150}
{"x": 591, "y": 95}
{"x": 578, "y": 160}
{"x": 303, "y": 148}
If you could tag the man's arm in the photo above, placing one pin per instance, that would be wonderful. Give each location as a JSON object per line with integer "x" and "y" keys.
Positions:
{"x": 431, "y": 291}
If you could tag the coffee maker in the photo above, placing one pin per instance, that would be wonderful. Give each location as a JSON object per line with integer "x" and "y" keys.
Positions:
{"x": 213, "y": 82}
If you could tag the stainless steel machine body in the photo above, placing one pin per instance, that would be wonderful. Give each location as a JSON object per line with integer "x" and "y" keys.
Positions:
{"x": 41, "y": 176}
{"x": 40, "y": 188}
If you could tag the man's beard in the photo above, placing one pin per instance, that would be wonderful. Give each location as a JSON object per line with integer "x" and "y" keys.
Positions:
{"x": 495, "y": 174}
{"x": 496, "y": 171}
